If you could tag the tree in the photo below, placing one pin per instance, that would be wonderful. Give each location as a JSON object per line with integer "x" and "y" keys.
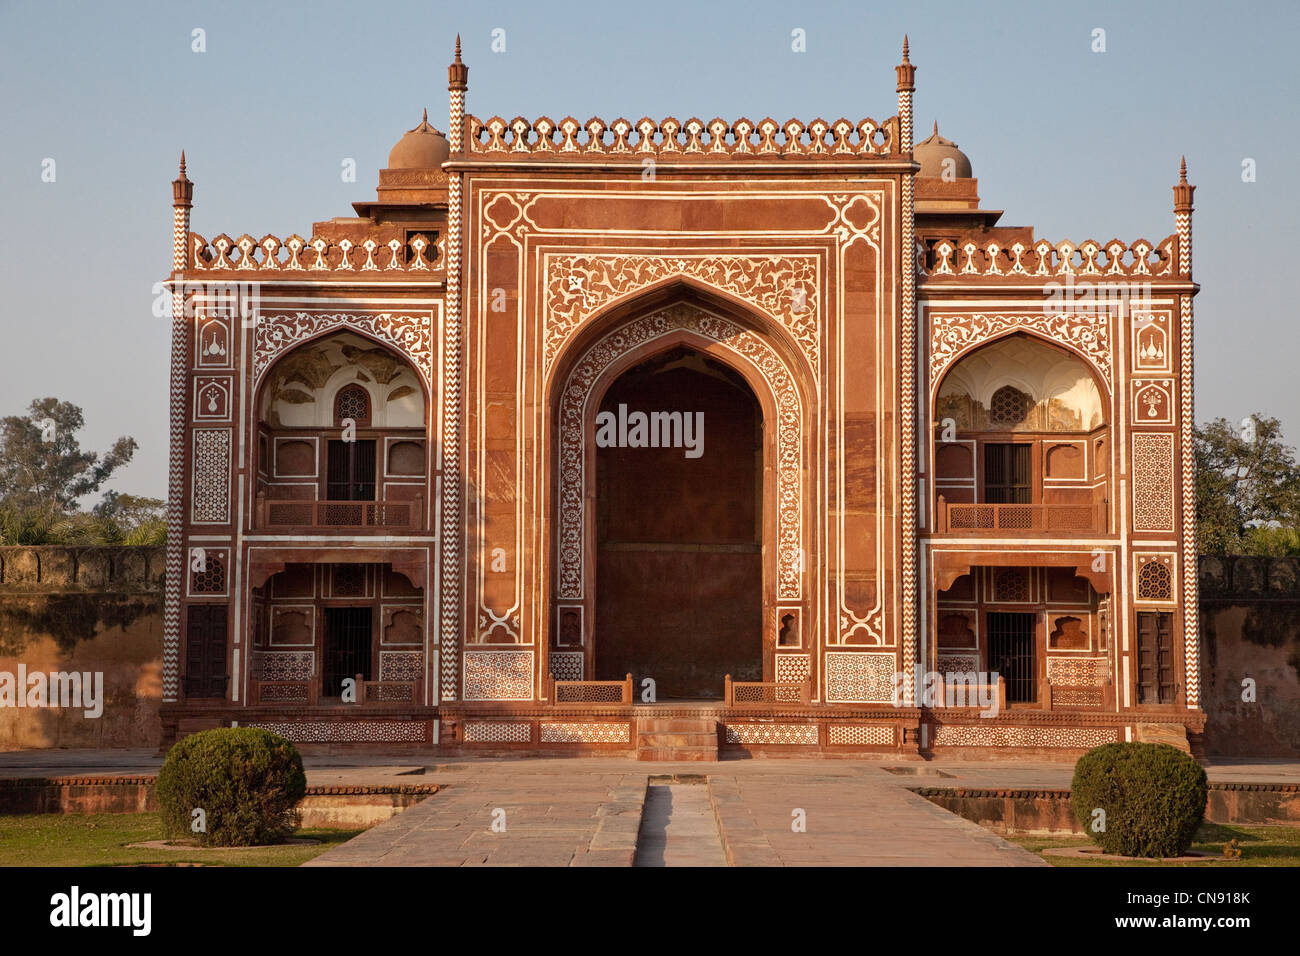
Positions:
{"x": 131, "y": 519}
{"x": 42, "y": 466}
{"x": 1247, "y": 486}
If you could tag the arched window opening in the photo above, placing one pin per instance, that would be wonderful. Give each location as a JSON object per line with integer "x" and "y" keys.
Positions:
{"x": 352, "y": 402}
{"x": 1009, "y": 406}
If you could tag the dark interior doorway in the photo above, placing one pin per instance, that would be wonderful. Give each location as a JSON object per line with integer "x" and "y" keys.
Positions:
{"x": 679, "y": 535}
{"x": 1007, "y": 473}
{"x": 347, "y": 652}
{"x": 1011, "y": 654}
{"x": 351, "y": 470}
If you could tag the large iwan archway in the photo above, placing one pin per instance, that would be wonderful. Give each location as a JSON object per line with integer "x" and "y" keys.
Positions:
{"x": 675, "y": 562}
{"x": 679, "y": 480}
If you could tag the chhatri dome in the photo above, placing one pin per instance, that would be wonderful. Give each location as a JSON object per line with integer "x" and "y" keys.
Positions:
{"x": 932, "y": 152}
{"x": 420, "y": 148}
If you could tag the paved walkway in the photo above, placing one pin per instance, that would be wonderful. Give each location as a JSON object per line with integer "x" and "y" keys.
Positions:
{"x": 865, "y": 819}
{"x": 575, "y": 813}
{"x": 509, "y": 819}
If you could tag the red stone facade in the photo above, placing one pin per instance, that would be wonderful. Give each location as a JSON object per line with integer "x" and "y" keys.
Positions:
{"x": 924, "y": 444}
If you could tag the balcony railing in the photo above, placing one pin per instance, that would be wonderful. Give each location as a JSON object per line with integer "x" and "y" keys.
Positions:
{"x": 765, "y": 692}
{"x": 304, "y": 692}
{"x": 989, "y": 519}
{"x": 589, "y": 691}
{"x": 408, "y": 515}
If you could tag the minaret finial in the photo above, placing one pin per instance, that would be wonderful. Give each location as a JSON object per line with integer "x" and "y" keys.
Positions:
{"x": 425, "y": 118}
{"x": 458, "y": 72}
{"x": 936, "y": 127}
{"x": 906, "y": 72}
{"x": 182, "y": 188}
{"x": 1184, "y": 190}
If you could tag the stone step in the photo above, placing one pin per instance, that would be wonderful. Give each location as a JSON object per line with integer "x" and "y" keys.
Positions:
{"x": 647, "y": 725}
{"x": 678, "y": 740}
{"x": 677, "y": 753}
{"x": 1173, "y": 734}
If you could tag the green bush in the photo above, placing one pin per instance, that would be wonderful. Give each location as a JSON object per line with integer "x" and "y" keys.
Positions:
{"x": 1153, "y": 796}
{"x": 247, "y": 783}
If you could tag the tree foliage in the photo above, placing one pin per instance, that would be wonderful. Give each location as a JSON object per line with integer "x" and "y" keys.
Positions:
{"x": 1247, "y": 488}
{"x": 42, "y": 465}
{"x": 44, "y": 472}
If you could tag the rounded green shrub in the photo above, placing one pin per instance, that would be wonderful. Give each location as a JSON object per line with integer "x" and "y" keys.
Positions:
{"x": 1152, "y": 795}
{"x": 245, "y": 782}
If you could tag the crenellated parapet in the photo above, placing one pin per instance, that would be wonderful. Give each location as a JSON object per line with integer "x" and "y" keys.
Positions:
{"x": 671, "y": 138}
{"x": 973, "y": 258}
{"x": 413, "y": 253}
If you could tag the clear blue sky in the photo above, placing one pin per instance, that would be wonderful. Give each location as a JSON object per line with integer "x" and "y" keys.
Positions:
{"x": 1075, "y": 143}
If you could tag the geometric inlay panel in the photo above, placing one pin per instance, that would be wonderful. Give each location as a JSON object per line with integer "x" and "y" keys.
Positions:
{"x": 210, "y": 498}
{"x": 856, "y": 735}
{"x": 1077, "y": 697}
{"x": 348, "y": 731}
{"x": 953, "y": 664}
{"x": 793, "y": 668}
{"x": 949, "y": 735}
{"x": 566, "y": 665}
{"x": 857, "y": 677}
{"x": 401, "y": 665}
{"x": 586, "y": 733}
{"x": 1155, "y": 577}
{"x": 497, "y": 732}
{"x": 284, "y": 665}
{"x": 796, "y": 734}
{"x": 1153, "y": 482}
{"x": 1078, "y": 671}
{"x": 498, "y": 675}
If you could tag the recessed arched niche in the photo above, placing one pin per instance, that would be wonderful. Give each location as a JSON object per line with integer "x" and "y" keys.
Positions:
{"x": 342, "y": 376}
{"x": 1021, "y": 384}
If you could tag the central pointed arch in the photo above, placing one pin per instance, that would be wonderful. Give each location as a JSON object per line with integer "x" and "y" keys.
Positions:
{"x": 577, "y": 392}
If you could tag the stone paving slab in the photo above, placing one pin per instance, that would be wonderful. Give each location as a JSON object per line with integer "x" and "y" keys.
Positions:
{"x": 553, "y": 819}
{"x": 869, "y": 819}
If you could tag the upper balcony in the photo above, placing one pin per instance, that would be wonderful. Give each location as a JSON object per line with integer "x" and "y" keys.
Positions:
{"x": 342, "y": 440}
{"x": 382, "y": 515}
{"x": 1011, "y": 519}
{"x": 1021, "y": 443}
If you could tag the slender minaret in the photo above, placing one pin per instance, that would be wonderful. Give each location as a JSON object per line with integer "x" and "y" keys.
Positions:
{"x": 452, "y": 491}
{"x": 907, "y": 381}
{"x": 182, "y": 201}
{"x": 1191, "y": 560}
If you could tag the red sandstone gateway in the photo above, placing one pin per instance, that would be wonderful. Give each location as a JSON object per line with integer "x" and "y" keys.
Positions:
{"x": 935, "y": 449}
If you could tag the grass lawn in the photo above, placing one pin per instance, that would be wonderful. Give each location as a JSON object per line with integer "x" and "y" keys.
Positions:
{"x": 56, "y": 839}
{"x": 1260, "y": 846}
